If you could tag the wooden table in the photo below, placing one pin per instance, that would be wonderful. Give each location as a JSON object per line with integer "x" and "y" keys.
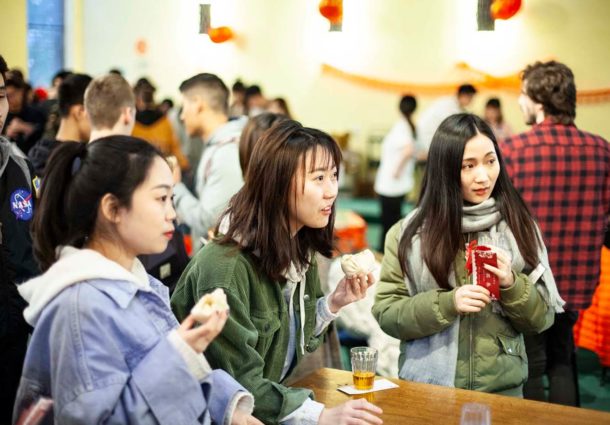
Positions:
{"x": 413, "y": 403}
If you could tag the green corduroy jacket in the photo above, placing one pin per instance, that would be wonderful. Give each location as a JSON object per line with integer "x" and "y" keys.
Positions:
{"x": 253, "y": 344}
{"x": 491, "y": 351}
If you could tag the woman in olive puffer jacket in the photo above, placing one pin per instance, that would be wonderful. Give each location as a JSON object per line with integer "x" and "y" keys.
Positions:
{"x": 453, "y": 333}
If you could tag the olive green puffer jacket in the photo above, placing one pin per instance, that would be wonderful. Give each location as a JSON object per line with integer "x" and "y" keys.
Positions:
{"x": 491, "y": 352}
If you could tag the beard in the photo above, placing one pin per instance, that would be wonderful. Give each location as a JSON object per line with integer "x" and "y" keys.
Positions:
{"x": 530, "y": 118}
{"x": 529, "y": 115}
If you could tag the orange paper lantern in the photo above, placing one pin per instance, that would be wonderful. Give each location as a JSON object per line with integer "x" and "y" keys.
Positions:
{"x": 220, "y": 34}
{"x": 332, "y": 10}
{"x": 504, "y": 9}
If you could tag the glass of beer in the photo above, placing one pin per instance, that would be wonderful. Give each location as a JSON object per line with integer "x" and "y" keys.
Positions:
{"x": 364, "y": 365}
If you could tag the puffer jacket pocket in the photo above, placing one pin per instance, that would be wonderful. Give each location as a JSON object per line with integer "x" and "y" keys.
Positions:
{"x": 512, "y": 348}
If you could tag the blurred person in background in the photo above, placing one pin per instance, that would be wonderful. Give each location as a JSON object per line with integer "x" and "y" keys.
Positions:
{"x": 205, "y": 109}
{"x": 279, "y": 105}
{"x": 495, "y": 119}
{"x": 74, "y": 123}
{"x": 563, "y": 173}
{"x": 254, "y": 101}
{"x": 427, "y": 123}
{"x": 394, "y": 177}
{"x": 238, "y": 95}
{"x": 24, "y": 124}
{"x": 153, "y": 126}
{"x": 166, "y": 106}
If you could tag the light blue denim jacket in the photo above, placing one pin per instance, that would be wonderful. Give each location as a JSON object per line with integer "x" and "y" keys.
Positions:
{"x": 100, "y": 351}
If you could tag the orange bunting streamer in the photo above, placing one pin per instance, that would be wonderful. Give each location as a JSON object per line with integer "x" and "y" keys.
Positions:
{"x": 482, "y": 80}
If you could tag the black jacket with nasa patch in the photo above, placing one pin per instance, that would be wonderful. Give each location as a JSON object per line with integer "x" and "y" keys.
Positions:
{"x": 17, "y": 264}
{"x": 17, "y": 202}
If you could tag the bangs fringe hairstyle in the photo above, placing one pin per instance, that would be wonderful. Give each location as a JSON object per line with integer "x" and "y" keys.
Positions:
{"x": 77, "y": 177}
{"x": 438, "y": 221}
{"x": 259, "y": 213}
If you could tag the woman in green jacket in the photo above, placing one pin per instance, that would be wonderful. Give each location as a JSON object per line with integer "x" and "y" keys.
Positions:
{"x": 264, "y": 260}
{"x": 452, "y": 332}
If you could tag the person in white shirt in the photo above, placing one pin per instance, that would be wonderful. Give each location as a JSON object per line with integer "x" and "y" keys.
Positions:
{"x": 431, "y": 118}
{"x": 428, "y": 122}
{"x": 395, "y": 174}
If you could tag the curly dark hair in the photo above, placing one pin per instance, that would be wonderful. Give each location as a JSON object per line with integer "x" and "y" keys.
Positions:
{"x": 552, "y": 85}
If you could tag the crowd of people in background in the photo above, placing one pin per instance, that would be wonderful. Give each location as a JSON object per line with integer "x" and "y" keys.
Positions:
{"x": 121, "y": 212}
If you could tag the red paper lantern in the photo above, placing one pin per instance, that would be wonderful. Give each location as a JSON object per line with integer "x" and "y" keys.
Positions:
{"x": 504, "y": 9}
{"x": 220, "y": 34}
{"x": 332, "y": 10}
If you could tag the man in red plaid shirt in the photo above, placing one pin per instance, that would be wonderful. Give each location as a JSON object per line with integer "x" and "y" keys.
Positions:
{"x": 563, "y": 173}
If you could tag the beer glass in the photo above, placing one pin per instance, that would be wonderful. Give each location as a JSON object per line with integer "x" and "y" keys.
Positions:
{"x": 364, "y": 365}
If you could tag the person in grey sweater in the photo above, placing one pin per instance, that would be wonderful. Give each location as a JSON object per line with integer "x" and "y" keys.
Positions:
{"x": 218, "y": 175}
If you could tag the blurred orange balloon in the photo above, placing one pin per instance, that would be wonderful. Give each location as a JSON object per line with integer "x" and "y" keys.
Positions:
{"x": 504, "y": 9}
{"x": 332, "y": 10}
{"x": 220, "y": 34}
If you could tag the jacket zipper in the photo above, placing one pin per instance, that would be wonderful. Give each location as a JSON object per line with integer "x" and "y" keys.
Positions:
{"x": 471, "y": 359}
{"x": 471, "y": 340}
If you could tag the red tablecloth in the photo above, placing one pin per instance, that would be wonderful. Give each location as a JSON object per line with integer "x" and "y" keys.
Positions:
{"x": 350, "y": 232}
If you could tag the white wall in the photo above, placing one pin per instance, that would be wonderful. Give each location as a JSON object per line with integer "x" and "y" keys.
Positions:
{"x": 281, "y": 44}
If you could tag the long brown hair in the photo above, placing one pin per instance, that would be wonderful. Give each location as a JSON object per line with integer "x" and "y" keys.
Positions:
{"x": 438, "y": 221}
{"x": 259, "y": 213}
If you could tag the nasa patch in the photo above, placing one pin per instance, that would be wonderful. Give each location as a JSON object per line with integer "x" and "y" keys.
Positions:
{"x": 22, "y": 205}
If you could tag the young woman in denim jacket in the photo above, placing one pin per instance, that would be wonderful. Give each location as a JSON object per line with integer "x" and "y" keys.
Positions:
{"x": 106, "y": 347}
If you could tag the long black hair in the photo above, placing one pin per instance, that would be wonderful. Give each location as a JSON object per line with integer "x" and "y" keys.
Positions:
{"x": 77, "y": 177}
{"x": 407, "y": 107}
{"x": 259, "y": 212}
{"x": 438, "y": 220}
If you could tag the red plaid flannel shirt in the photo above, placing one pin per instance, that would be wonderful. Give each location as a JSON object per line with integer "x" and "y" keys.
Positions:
{"x": 563, "y": 174}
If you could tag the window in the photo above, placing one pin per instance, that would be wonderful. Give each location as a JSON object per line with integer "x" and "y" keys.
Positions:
{"x": 45, "y": 40}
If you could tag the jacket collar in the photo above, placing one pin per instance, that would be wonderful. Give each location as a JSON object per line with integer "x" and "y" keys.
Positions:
{"x": 79, "y": 265}
{"x": 548, "y": 122}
